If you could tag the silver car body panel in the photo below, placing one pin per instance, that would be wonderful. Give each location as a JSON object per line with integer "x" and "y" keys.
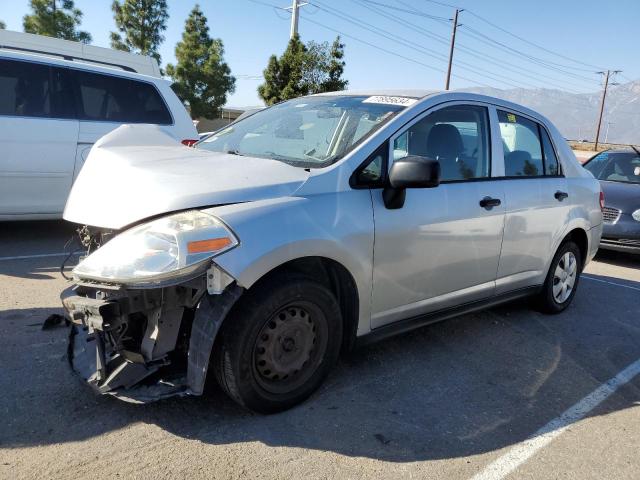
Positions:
{"x": 137, "y": 172}
{"x": 404, "y": 262}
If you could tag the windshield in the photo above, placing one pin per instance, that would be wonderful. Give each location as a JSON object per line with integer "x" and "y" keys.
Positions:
{"x": 615, "y": 167}
{"x": 307, "y": 132}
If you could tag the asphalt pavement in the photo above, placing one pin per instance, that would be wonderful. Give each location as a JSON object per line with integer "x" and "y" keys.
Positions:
{"x": 503, "y": 393}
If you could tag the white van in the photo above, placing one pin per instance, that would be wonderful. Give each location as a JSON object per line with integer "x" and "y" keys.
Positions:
{"x": 57, "y": 98}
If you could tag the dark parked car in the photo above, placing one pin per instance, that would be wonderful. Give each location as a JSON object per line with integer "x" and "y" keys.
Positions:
{"x": 619, "y": 175}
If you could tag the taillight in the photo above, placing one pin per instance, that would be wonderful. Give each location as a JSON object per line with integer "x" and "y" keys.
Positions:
{"x": 189, "y": 142}
{"x": 601, "y": 200}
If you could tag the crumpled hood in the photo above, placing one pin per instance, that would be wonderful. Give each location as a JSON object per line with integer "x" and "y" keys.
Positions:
{"x": 623, "y": 196}
{"x": 138, "y": 171}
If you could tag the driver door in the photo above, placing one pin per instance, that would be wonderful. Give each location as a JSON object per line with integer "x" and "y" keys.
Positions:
{"x": 441, "y": 248}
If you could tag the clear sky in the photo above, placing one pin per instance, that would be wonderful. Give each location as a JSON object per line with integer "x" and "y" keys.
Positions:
{"x": 405, "y": 50}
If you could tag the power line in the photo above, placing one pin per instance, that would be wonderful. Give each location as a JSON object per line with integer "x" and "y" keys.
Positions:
{"x": 390, "y": 52}
{"x": 533, "y": 44}
{"x": 488, "y": 40}
{"x": 522, "y": 39}
{"x": 496, "y": 61}
{"x": 412, "y": 11}
{"x": 539, "y": 61}
{"x": 415, "y": 46}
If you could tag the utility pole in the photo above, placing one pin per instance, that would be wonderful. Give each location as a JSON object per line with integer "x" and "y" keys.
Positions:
{"x": 607, "y": 74}
{"x": 453, "y": 44}
{"x": 295, "y": 6}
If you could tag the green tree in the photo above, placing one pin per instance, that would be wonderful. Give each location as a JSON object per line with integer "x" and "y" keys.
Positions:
{"x": 302, "y": 70}
{"x": 283, "y": 77}
{"x": 55, "y": 18}
{"x": 335, "y": 68}
{"x": 201, "y": 76}
{"x": 2, "y": 25}
{"x": 140, "y": 23}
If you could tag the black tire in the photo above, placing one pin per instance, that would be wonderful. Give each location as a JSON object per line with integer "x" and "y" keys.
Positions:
{"x": 549, "y": 301}
{"x": 279, "y": 343}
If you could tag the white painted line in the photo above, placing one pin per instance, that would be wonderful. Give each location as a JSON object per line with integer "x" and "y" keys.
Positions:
{"x": 611, "y": 283}
{"x": 43, "y": 255}
{"x": 510, "y": 461}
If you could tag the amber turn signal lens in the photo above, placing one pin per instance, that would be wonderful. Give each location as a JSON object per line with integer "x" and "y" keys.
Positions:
{"x": 210, "y": 245}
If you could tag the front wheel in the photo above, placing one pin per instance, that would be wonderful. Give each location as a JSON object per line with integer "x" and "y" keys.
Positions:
{"x": 562, "y": 279}
{"x": 279, "y": 343}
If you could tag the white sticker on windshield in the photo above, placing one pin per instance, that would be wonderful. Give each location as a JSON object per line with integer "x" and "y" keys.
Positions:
{"x": 383, "y": 99}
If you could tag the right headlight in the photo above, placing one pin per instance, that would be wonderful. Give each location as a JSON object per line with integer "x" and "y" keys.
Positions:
{"x": 170, "y": 247}
{"x": 636, "y": 215}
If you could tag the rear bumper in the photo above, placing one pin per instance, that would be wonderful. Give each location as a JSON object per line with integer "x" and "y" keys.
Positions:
{"x": 144, "y": 345}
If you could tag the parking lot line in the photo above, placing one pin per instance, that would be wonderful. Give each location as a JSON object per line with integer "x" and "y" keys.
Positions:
{"x": 42, "y": 255}
{"x": 610, "y": 283}
{"x": 510, "y": 461}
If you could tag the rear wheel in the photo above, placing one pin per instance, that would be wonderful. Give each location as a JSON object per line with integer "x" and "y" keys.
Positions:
{"x": 562, "y": 279}
{"x": 279, "y": 343}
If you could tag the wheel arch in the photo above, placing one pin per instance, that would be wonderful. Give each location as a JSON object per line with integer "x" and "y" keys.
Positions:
{"x": 581, "y": 239}
{"x": 336, "y": 277}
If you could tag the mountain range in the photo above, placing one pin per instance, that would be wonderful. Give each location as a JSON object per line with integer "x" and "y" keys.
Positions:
{"x": 576, "y": 115}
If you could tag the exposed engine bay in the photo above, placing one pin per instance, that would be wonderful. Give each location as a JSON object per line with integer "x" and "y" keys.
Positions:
{"x": 144, "y": 344}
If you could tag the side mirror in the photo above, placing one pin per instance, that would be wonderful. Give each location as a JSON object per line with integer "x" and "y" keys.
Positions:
{"x": 410, "y": 172}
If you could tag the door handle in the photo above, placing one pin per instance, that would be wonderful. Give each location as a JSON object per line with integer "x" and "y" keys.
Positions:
{"x": 488, "y": 202}
{"x": 560, "y": 195}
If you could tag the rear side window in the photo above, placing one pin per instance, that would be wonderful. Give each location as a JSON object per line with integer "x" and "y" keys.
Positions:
{"x": 521, "y": 144}
{"x": 24, "y": 89}
{"x": 116, "y": 99}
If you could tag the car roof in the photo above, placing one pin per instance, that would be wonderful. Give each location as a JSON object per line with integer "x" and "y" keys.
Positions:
{"x": 453, "y": 95}
{"x": 79, "y": 65}
{"x": 381, "y": 92}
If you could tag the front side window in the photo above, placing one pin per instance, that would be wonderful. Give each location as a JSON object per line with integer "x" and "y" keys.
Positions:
{"x": 24, "y": 89}
{"x": 456, "y": 136}
{"x": 116, "y": 99}
{"x": 521, "y": 145}
{"x": 621, "y": 167}
{"x": 308, "y": 132}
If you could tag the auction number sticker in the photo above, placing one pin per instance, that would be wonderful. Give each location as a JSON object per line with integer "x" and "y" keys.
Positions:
{"x": 385, "y": 100}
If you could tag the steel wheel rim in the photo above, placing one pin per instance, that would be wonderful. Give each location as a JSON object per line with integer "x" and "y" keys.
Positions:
{"x": 564, "y": 277}
{"x": 289, "y": 347}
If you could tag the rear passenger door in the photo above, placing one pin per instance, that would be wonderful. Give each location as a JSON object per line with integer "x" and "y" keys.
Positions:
{"x": 38, "y": 136}
{"x": 107, "y": 101}
{"x": 537, "y": 203}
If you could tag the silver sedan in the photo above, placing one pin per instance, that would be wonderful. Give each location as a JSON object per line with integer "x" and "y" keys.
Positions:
{"x": 312, "y": 226}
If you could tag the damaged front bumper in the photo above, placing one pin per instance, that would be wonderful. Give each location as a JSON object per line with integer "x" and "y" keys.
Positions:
{"x": 143, "y": 345}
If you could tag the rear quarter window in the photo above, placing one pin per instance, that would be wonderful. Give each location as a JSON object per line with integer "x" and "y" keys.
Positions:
{"x": 121, "y": 100}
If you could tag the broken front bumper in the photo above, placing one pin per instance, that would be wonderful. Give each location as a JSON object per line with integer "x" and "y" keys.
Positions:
{"x": 145, "y": 344}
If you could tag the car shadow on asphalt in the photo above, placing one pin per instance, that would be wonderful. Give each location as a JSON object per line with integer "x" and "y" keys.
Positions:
{"x": 467, "y": 386}
{"x": 618, "y": 259}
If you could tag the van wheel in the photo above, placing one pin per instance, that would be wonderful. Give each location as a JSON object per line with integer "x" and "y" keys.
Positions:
{"x": 562, "y": 279}
{"x": 279, "y": 343}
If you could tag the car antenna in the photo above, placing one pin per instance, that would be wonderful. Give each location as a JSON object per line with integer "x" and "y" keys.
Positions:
{"x": 635, "y": 149}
